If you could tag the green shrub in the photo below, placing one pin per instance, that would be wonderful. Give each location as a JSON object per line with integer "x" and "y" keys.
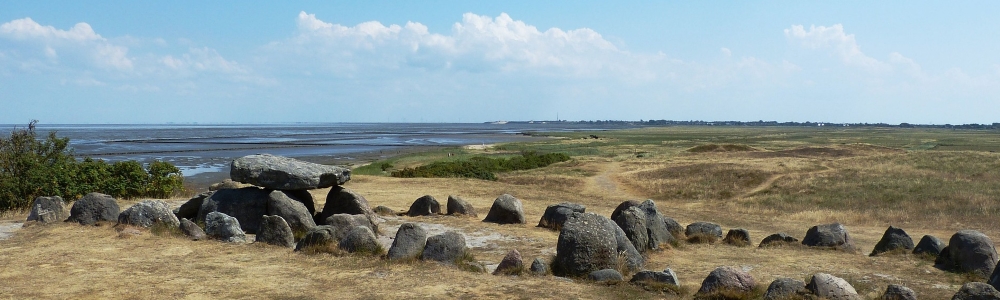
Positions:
{"x": 32, "y": 167}
{"x": 482, "y": 167}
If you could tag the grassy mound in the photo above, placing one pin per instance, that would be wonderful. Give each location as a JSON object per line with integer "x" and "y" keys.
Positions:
{"x": 482, "y": 167}
{"x": 721, "y": 148}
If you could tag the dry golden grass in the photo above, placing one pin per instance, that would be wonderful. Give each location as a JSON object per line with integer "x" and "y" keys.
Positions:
{"x": 785, "y": 185}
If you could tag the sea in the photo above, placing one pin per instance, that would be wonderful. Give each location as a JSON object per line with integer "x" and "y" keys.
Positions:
{"x": 203, "y": 152}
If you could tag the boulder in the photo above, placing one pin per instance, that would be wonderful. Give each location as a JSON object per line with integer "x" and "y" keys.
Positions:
{"x": 458, "y": 206}
{"x": 968, "y": 251}
{"x": 784, "y": 288}
{"x": 343, "y": 223}
{"x": 556, "y": 215}
{"x": 703, "y": 232}
{"x": 361, "y": 239}
{"x": 424, "y": 206}
{"x": 283, "y": 173}
{"x": 632, "y": 222}
{"x": 675, "y": 228}
{"x": 737, "y": 237}
{"x": 727, "y": 280}
{"x": 274, "y": 230}
{"x": 929, "y": 245}
{"x": 226, "y": 184}
{"x": 448, "y": 247}
{"x": 192, "y": 230}
{"x": 829, "y": 235}
{"x": 303, "y": 196}
{"x": 778, "y": 239}
{"x": 147, "y": 213}
{"x": 224, "y": 228}
{"x": 511, "y": 264}
{"x": 246, "y": 205}
{"x": 320, "y": 236}
{"x": 893, "y": 239}
{"x": 341, "y": 200}
{"x": 505, "y": 210}
{"x": 977, "y": 291}
{"x": 48, "y": 210}
{"x": 539, "y": 267}
{"x": 590, "y": 242}
{"x": 605, "y": 275}
{"x": 657, "y": 225}
{"x": 994, "y": 278}
{"x": 189, "y": 210}
{"x": 666, "y": 277}
{"x": 898, "y": 292}
{"x": 93, "y": 208}
{"x": 409, "y": 242}
{"x": 831, "y": 287}
{"x": 294, "y": 213}
{"x": 622, "y": 207}
{"x": 384, "y": 211}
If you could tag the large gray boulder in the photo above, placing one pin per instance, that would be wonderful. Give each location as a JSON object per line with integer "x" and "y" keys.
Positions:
{"x": 224, "y": 228}
{"x": 458, "y": 206}
{"x": 424, "y": 206}
{"x": 246, "y": 205}
{"x": 784, "y": 288}
{"x": 605, "y": 275}
{"x": 827, "y": 286}
{"x": 929, "y": 245}
{"x": 727, "y": 280}
{"x": 590, "y": 242}
{"x": 283, "y": 173}
{"x": 361, "y": 239}
{"x": 829, "y": 235}
{"x": 93, "y": 208}
{"x": 976, "y": 291}
{"x": 409, "y": 242}
{"x": 556, "y": 215}
{"x": 293, "y": 212}
{"x": 320, "y": 237}
{"x": 622, "y": 207}
{"x": 633, "y": 222}
{"x": 511, "y": 264}
{"x": 506, "y": 210}
{"x": 704, "y": 231}
{"x": 192, "y": 230}
{"x": 148, "y": 213}
{"x": 48, "y": 210}
{"x": 274, "y": 230}
{"x": 447, "y": 247}
{"x": 893, "y": 239}
{"x": 898, "y": 292}
{"x": 968, "y": 251}
{"x": 341, "y": 200}
{"x": 343, "y": 223}
{"x": 303, "y": 196}
{"x": 657, "y": 225}
{"x": 189, "y": 210}
{"x": 666, "y": 277}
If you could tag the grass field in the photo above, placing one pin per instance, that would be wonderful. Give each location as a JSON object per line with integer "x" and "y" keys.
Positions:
{"x": 766, "y": 180}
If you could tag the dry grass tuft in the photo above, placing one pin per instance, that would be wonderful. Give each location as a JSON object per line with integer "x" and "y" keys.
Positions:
{"x": 702, "y": 238}
{"x": 721, "y": 148}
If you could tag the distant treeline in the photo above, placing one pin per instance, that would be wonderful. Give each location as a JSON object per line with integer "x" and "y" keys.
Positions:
{"x": 482, "y": 167}
{"x": 774, "y": 123}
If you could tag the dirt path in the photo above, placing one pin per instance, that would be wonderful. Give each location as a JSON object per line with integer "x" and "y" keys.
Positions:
{"x": 605, "y": 182}
{"x": 771, "y": 180}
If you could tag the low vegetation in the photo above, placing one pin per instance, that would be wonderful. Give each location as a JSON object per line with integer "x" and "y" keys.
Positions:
{"x": 482, "y": 167}
{"x": 31, "y": 166}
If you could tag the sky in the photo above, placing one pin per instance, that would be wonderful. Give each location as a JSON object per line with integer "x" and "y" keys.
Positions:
{"x": 106, "y": 62}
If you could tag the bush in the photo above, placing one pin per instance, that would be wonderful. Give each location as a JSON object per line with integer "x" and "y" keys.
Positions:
{"x": 30, "y": 167}
{"x": 482, "y": 167}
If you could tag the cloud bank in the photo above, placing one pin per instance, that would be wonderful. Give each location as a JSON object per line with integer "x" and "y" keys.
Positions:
{"x": 484, "y": 68}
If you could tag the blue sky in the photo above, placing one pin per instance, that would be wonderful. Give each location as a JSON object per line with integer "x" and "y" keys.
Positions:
{"x": 475, "y": 61}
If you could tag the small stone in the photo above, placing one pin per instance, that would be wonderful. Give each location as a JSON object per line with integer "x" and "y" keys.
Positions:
{"x": 511, "y": 264}
{"x": 409, "y": 242}
{"x": 458, "y": 206}
{"x": 424, "y": 206}
{"x": 192, "y": 230}
{"x": 539, "y": 267}
{"x": 605, "y": 275}
{"x": 506, "y": 210}
{"x": 737, "y": 237}
{"x": 224, "y": 228}
{"x": 275, "y": 231}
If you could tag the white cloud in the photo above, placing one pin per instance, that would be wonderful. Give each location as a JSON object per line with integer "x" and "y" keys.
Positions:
{"x": 834, "y": 38}
{"x": 726, "y": 52}
{"x": 35, "y": 41}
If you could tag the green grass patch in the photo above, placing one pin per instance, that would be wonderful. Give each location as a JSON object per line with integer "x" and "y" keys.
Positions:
{"x": 482, "y": 167}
